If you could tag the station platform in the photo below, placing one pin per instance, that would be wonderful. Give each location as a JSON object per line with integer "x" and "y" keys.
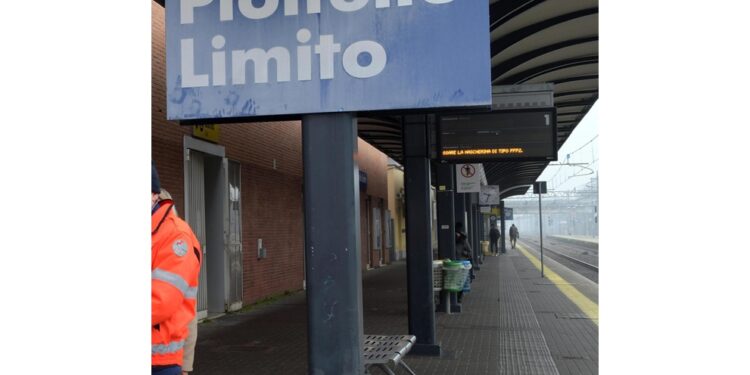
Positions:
{"x": 586, "y": 240}
{"x": 513, "y": 322}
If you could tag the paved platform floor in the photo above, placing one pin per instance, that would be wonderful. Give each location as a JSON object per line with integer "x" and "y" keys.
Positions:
{"x": 513, "y": 322}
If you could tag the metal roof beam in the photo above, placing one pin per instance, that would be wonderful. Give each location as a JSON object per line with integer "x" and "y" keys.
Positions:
{"x": 578, "y": 92}
{"x": 576, "y": 103}
{"x": 502, "y": 11}
{"x": 509, "y": 64}
{"x": 377, "y": 134}
{"x": 516, "y": 36}
{"x": 574, "y": 79}
{"x": 528, "y": 74}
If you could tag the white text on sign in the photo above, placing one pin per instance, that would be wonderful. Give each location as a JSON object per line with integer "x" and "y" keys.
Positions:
{"x": 326, "y": 47}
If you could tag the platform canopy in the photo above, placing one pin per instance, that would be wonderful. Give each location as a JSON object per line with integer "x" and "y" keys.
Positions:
{"x": 531, "y": 41}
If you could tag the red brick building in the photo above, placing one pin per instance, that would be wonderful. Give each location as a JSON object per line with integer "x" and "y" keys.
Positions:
{"x": 241, "y": 191}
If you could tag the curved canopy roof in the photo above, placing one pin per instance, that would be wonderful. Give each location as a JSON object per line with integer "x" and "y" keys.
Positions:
{"x": 531, "y": 41}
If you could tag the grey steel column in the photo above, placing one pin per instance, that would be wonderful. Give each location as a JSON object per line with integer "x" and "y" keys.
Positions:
{"x": 502, "y": 227}
{"x": 418, "y": 236}
{"x": 472, "y": 210}
{"x": 332, "y": 254}
{"x": 460, "y": 201}
{"x": 541, "y": 240}
{"x": 470, "y": 229}
{"x": 470, "y": 216}
{"x": 446, "y": 224}
{"x": 478, "y": 230}
{"x": 459, "y": 205}
{"x": 480, "y": 220}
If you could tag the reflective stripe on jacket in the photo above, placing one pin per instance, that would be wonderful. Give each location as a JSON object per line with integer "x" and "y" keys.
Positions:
{"x": 175, "y": 264}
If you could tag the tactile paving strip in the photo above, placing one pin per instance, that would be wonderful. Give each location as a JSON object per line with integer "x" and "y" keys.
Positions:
{"x": 523, "y": 349}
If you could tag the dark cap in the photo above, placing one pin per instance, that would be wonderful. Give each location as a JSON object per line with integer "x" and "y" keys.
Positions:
{"x": 155, "y": 185}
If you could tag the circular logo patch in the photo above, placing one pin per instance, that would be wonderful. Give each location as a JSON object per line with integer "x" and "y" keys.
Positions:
{"x": 179, "y": 247}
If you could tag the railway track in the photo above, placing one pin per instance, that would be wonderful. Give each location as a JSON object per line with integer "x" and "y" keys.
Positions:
{"x": 588, "y": 267}
{"x": 577, "y": 261}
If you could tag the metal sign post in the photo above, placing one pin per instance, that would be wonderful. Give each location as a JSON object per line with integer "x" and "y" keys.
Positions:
{"x": 332, "y": 257}
{"x": 418, "y": 238}
{"x": 541, "y": 244}
{"x": 540, "y": 188}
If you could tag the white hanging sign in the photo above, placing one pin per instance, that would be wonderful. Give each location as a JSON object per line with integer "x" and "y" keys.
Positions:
{"x": 468, "y": 179}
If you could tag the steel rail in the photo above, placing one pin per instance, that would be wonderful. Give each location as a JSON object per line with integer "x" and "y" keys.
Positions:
{"x": 574, "y": 260}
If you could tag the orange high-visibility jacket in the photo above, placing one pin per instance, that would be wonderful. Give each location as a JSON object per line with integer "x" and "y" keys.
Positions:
{"x": 175, "y": 264}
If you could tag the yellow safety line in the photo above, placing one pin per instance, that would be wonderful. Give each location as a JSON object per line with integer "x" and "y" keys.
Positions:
{"x": 587, "y": 306}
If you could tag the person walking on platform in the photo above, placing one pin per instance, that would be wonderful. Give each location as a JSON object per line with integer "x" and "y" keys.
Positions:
{"x": 513, "y": 235}
{"x": 175, "y": 265}
{"x": 494, "y": 236}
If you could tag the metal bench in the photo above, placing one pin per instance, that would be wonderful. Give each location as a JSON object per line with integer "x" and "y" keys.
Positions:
{"x": 381, "y": 350}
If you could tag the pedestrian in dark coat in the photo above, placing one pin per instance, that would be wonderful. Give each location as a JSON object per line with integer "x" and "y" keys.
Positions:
{"x": 513, "y": 235}
{"x": 494, "y": 236}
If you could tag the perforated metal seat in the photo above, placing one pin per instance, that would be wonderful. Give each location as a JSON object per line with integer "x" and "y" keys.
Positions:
{"x": 380, "y": 350}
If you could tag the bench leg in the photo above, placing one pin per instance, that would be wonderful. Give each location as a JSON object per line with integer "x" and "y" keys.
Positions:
{"x": 402, "y": 363}
{"x": 386, "y": 369}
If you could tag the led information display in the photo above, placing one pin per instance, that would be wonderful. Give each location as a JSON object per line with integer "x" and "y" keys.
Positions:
{"x": 498, "y": 136}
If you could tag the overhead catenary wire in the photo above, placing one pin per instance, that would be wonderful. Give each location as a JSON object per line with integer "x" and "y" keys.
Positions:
{"x": 554, "y": 180}
{"x": 584, "y": 145}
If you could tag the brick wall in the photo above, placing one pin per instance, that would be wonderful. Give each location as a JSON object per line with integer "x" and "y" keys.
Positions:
{"x": 270, "y": 155}
{"x": 375, "y": 164}
{"x": 166, "y": 137}
{"x": 364, "y": 237}
{"x": 272, "y": 210}
{"x": 395, "y": 185}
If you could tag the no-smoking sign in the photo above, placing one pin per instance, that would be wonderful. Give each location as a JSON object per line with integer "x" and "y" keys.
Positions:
{"x": 467, "y": 178}
{"x": 468, "y": 170}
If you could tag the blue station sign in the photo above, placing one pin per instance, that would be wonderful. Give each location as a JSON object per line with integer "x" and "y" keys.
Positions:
{"x": 243, "y": 58}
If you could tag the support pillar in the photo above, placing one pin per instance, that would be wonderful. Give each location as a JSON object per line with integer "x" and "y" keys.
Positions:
{"x": 480, "y": 220}
{"x": 418, "y": 236}
{"x": 459, "y": 209}
{"x": 502, "y": 227}
{"x": 446, "y": 226}
{"x": 480, "y": 228}
{"x": 332, "y": 255}
{"x": 472, "y": 208}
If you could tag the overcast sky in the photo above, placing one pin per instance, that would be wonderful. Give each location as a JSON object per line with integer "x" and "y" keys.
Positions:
{"x": 583, "y": 147}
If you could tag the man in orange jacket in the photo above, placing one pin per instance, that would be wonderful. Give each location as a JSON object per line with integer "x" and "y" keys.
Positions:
{"x": 175, "y": 264}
